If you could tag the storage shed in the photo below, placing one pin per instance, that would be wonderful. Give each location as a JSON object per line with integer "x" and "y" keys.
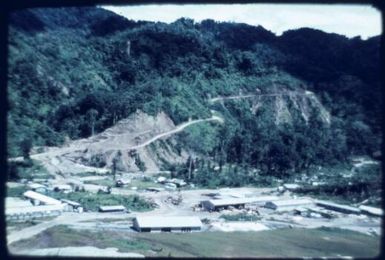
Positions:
{"x": 167, "y": 224}
{"x": 118, "y": 208}
{"x": 337, "y": 207}
{"x": 371, "y": 210}
{"x": 217, "y": 204}
{"x": 286, "y": 205}
{"x": 29, "y": 212}
{"x": 72, "y": 206}
{"x": 37, "y": 187}
{"x": 38, "y": 198}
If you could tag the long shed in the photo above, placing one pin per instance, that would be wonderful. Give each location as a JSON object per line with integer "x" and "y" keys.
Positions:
{"x": 338, "y": 207}
{"x": 217, "y": 204}
{"x": 43, "y": 199}
{"x": 167, "y": 224}
{"x": 118, "y": 208}
{"x": 371, "y": 210}
{"x": 23, "y": 213}
{"x": 289, "y": 204}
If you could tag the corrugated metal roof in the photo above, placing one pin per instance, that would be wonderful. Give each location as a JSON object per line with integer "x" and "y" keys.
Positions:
{"x": 335, "y": 205}
{"x": 171, "y": 222}
{"x": 70, "y": 202}
{"x": 371, "y": 210}
{"x": 237, "y": 201}
{"x": 36, "y": 186}
{"x": 32, "y": 209}
{"x": 40, "y": 197}
{"x": 112, "y": 208}
{"x": 62, "y": 187}
{"x": 291, "y": 202}
{"x": 290, "y": 186}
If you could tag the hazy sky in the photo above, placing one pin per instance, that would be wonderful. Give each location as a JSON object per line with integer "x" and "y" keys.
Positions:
{"x": 349, "y": 20}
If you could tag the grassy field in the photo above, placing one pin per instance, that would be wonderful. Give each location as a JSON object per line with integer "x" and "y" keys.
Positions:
{"x": 109, "y": 220}
{"x": 275, "y": 243}
{"x": 91, "y": 201}
{"x": 21, "y": 224}
{"x": 140, "y": 184}
{"x": 103, "y": 182}
{"x": 62, "y": 236}
{"x": 16, "y": 226}
{"x": 16, "y": 191}
{"x": 87, "y": 174}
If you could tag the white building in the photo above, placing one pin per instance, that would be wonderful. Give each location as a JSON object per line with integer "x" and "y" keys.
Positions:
{"x": 37, "y": 187}
{"x": 42, "y": 206}
{"x": 287, "y": 205}
{"x": 371, "y": 210}
{"x": 338, "y": 207}
{"x": 23, "y": 213}
{"x": 38, "y": 198}
{"x": 167, "y": 224}
{"x": 291, "y": 186}
{"x": 118, "y": 208}
{"x": 72, "y": 206}
{"x": 217, "y": 204}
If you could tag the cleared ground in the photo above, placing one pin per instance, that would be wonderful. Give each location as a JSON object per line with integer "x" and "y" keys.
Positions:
{"x": 321, "y": 242}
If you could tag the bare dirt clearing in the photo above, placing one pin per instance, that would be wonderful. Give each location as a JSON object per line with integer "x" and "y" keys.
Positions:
{"x": 131, "y": 135}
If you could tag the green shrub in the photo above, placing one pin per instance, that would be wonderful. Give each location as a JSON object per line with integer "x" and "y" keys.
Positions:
{"x": 16, "y": 191}
{"x": 92, "y": 201}
{"x": 240, "y": 217}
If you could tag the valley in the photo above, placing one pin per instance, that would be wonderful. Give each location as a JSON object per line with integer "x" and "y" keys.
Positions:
{"x": 148, "y": 139}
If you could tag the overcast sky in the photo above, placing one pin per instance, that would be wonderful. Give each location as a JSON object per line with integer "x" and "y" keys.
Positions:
{"x": 349, "y": 20}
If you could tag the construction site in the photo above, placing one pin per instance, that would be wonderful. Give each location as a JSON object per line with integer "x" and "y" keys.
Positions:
{"x": 182, "y": 208}
{"x": 80, "y": 196}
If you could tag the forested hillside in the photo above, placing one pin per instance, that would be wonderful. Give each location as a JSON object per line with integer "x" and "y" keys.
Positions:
{"x": 306, "y": 97}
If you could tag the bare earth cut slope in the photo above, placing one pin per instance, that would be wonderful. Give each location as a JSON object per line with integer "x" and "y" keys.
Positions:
{"x": 138, "y": 138}
{"x": 283, "y": 104}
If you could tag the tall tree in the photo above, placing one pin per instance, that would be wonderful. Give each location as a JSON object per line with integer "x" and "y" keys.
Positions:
{"x": 91, "y": 116}
{"x": 25, "y": 147}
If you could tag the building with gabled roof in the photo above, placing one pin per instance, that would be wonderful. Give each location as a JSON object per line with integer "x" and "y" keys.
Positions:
{"x": 117, "y": 208}
{"x": 167, "y": 224}
{"x": 39, "y": 198}
{"x": 338, "y": 207}
{"x": 288, "y": 204}
{"x": 216, "y": 204}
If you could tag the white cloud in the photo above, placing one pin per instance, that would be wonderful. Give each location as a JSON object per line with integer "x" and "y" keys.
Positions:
{"x": 349, "y": 20}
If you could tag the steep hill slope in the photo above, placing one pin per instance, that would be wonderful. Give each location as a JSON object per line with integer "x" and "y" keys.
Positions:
{"x": 137, "y": 143}
{"x": 288, "y": 102}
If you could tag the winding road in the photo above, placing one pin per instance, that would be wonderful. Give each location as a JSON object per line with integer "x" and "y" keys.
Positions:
{"x": 176, "y": 130}
{"x": 260, "y": 95}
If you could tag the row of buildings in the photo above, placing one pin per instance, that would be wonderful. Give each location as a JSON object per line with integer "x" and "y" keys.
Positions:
{"x": 42, "y": 205}
{"x": 39, "y": 205}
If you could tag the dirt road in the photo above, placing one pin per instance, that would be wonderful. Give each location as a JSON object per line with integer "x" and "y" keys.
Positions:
{"x": 176, "y": 130}
{"x": 55, "y": 159}
{"x": 291, "y": 93}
